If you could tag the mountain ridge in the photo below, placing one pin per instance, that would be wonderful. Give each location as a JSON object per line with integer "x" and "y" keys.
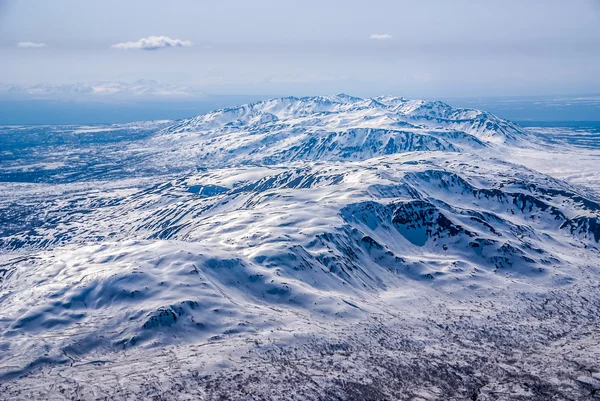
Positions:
{"x": 328, "y": 128}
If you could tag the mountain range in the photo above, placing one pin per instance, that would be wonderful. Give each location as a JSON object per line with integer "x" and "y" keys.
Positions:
{"x": 328, "y": 247}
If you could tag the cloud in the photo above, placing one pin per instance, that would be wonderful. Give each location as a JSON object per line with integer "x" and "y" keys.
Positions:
{"x": 380, "y": 36}
{"x": 153, "y": 43}
{"x": 31, "y": 45}
{"x": 101, "y": 90}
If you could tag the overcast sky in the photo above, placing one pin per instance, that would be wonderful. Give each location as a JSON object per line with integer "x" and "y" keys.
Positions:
{"x": 413, "y": 48}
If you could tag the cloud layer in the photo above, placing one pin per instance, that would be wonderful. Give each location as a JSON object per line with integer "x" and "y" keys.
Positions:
{"x": 31, "y": 45}
{"x": 153, "y": 43}
{"x": 380, "y": 36}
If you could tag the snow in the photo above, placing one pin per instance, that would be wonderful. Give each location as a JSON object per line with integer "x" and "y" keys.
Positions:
{"x": 284, "y": 249}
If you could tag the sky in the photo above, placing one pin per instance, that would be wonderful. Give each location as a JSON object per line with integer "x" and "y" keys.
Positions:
{"x": 427, "y": 48}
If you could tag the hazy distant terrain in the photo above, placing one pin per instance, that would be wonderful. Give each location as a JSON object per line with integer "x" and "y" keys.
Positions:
{"x": 141, "y": 100}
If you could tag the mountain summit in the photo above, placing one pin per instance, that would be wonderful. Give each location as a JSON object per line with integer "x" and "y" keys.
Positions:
{"x": 339, "y": 127}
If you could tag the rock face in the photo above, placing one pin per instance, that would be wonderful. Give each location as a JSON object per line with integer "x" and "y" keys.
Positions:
{"x": 585, "y": 227}
{"x": 274, "y": 229}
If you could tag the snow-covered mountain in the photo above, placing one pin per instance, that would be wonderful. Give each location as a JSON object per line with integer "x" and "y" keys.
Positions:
{"x": 344, "y": 248}
{"x": 333, "y": 128}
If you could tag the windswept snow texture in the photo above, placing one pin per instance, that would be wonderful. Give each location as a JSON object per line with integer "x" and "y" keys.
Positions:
{"x": 321, "y": 248}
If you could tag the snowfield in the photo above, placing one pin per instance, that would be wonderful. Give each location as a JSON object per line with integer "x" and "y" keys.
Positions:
{"x": 320, "y": 248}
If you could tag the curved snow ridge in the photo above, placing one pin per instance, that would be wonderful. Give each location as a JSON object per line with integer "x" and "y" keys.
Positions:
{"x": 114, "y": 296}
{"x": 419, "y": 230}
{"x": 261, "y": 205}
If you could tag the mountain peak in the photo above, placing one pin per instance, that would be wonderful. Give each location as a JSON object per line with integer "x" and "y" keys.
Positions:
{"x": 339, "y": 127}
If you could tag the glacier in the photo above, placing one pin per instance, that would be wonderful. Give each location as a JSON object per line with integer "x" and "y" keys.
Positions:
{"x": 316, "y": 248}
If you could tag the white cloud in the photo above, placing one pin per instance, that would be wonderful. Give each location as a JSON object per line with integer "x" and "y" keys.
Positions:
{"x": 31, "y": 45}
{"x": 380, "y": 36}
{"x": 153, "y": 43}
